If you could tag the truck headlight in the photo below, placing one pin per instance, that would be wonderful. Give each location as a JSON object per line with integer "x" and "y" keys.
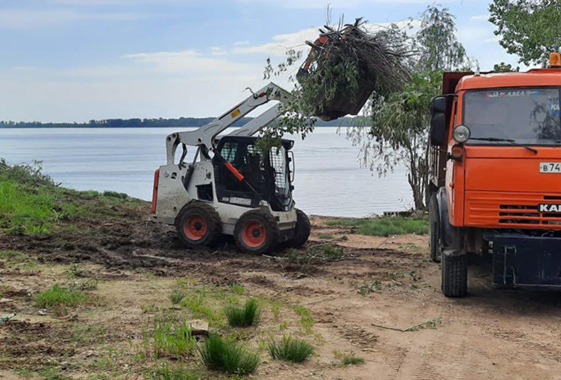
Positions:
{"x": 461, "y": 134}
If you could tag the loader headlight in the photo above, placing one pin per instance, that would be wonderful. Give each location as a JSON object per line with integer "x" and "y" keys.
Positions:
{"x": 461, "y": 134}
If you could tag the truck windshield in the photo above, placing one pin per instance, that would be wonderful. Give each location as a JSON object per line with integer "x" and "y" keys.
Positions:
{"x": 527, "y": 116}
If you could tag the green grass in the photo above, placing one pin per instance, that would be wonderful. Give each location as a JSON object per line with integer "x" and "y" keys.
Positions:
{"x": 167, "y": 372}
{"x": 176, "y": 297}
{"x": 386, "y": 226}
{"x": 169, "y": 337}
{"x": 351, "y": 360}
{"x": 243, "y": 316}
{"x": 57, "y": 297}
{"x": 326, "y": 236}
{"x": 306, "y": 318}
{"x": 222, "y": 355}
{"x": 291, "y": 349}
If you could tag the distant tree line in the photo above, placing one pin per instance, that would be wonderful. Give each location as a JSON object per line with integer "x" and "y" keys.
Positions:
{"x": 182, "y": 122}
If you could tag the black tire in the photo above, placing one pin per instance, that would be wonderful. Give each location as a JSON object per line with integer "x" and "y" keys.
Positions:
{"x": 301, "y": 231}
{"x": 454, "y": 275}
{"x": 198, "y": 224}
{"x": 256, "y": 232}
{"x": 434, "y": 229}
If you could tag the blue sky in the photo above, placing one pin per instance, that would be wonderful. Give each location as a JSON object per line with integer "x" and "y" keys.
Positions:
{"x": 75, "y": 60}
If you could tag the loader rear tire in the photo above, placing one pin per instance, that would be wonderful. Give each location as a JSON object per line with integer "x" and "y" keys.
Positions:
{"x": 301, "y": 231}
{"x": 198, "y": 224}
{"x": 454, "y": 275}
{"x": 256, "y": 232}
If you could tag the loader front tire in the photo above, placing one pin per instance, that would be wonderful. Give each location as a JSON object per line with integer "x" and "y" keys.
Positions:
{"x": 301, "y": 231}
{"x": 454, "y": 275}
{"x": 256, "y": 232}
{"x": 198, "y": 224}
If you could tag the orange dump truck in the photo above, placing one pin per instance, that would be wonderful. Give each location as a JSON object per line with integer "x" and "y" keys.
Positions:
{"x": 495, "y": 186}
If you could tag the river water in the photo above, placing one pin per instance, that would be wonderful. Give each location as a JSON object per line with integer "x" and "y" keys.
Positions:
{"x": 329, "y": 180}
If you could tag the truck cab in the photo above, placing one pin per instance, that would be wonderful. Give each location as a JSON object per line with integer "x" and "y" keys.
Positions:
{"x": 495, "y": 186}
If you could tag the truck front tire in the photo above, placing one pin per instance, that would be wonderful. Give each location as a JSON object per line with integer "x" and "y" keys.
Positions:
{"x": 454, "y": 275}
{"x": 434, "y": 229}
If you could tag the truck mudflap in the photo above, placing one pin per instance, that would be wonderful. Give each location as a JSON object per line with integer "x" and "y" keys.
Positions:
{"x": 525, "y": 261}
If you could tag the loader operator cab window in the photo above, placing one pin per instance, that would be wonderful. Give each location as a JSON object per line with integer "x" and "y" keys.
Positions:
{"x": 526, "y": 115}
{"x": 268, "y": 174}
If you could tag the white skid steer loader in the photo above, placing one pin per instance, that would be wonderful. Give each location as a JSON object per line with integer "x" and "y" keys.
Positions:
{"x": 231, "y": 187}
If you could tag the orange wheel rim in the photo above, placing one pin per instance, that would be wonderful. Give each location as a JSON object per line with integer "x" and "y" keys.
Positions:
{"x": 253, "y": 234}
{"x": 195, "y": 227}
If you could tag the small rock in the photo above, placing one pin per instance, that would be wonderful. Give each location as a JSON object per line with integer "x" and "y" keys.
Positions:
{"x": 5, "y": 300}
{"x": 42, "y": 312}
{"x": 198, "y": 327}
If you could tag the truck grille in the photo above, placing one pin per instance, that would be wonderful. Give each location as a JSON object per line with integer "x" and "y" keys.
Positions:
{"x": 510, "y": 210}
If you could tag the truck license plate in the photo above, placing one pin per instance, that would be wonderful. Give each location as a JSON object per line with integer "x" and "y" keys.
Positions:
{"x": 550, "y": 167}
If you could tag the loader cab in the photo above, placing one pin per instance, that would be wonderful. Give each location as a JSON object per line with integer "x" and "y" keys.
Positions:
{"x": 269, "y": 173}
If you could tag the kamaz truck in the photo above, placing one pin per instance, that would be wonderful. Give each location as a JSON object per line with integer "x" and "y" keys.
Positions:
{"x": 495, "y": 183}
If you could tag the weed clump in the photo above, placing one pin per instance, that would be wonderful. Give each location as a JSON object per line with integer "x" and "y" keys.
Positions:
{"x": 227, "y": 356}
{"x": 59, "y": 298}
{"x": 351, "y": 360}
{"x": 290, "y": 349}
{"x": 244, "y": 316}
{"x": 169, "y": 338}
{"x": 176, "y": 297}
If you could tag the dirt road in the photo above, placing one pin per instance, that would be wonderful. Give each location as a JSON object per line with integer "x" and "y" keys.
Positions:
{"x": 359, "y": 298}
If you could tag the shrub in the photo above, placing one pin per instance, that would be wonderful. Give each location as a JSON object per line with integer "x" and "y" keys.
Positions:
{"x": 59, "y": 297}
{"x": 244, "y": 316}
{"x": 167, "y": 372}
{"x": 290, "y": 349}
{"x": 227, "y": 356}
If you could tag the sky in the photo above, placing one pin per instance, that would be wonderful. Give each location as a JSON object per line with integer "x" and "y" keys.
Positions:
{"x": 77, "y": 60}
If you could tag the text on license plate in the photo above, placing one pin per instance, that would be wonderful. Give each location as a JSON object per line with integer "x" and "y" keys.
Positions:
{"x": 550, "y": 167}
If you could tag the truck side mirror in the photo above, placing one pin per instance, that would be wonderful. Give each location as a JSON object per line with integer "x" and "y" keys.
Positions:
{"x": 438, "y": 129}
{"x": 439, "y": 104}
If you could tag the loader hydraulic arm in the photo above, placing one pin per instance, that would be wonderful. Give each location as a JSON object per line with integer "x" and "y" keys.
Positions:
{"x": 206, "y": 135}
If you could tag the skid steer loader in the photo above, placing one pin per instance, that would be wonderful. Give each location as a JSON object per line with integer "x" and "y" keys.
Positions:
{"x": 231, "y": 187}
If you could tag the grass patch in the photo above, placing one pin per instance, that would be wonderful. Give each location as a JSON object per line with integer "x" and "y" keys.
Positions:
{"x": 386, "y": 226}
{"x": 243, "y": 316}
{"x": 306, "y": 318}
{"x": 351, "y": 360}
{"x": 291, "y": 349}
{"x": 169, "y": 337}
{"x": 59, "y": 298}
{"x": 326, "y": 236}
{"x": 176, "y": 297}
{"x": 167, "y": 372}
{"x": 316, "y": 254}
{"x": 222, "y": 355}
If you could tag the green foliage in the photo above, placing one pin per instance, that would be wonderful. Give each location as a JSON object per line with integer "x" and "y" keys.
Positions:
{"x": 244, "y": 316}
{"x": 291, "y": 349}
{"x": 439, "y": 46}
{"x": 316, "y": 253}
{"x": 114, "y": 194}
{"x": 176, "y": 297}
{"x": 528, "y": 28}
{"x": 167, "y": 372}
{"x": 29, "y": 174}
{"x": 399, "y": 132}
{"x": 227, "y": 356}
{"x": 306, "y": 318}
{"x": 505, "y": 68}
{"x": 169, "y": 337}
{"x": 326, "y": 236}
{"x": 351, "y": 360}
{"x": 386, "y": 226}
{"x": 57, "y": 297}
{"x": 371, "y": 287}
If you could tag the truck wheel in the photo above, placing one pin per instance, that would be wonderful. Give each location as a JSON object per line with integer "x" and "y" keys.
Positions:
{"x": 198, "y": 224}
{"x": 256, "y": 232}
{"x": 434, "y": 229}
{"x": 301, "y": 231}
{"x": 454, "y": 275}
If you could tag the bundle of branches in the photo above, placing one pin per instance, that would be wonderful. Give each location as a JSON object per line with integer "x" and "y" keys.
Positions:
{"x": 346, "y": 65}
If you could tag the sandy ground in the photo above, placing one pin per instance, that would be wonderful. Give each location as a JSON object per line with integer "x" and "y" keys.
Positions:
{"x": 358, "y": 303}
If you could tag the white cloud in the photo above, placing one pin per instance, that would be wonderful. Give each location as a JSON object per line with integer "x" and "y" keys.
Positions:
{"x": 28, "y": 18}
{"x": 241, "y": 43}
{"x": 322, "y": 4}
